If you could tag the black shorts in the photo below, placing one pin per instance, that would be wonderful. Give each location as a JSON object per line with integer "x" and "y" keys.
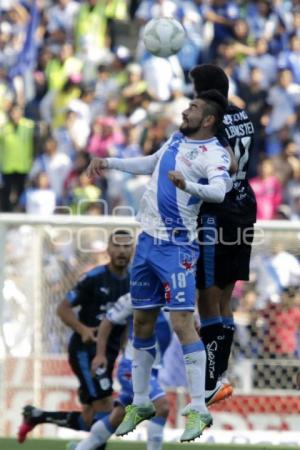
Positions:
{"x": 80, "y": 359}
{"x": 225, "y": 250}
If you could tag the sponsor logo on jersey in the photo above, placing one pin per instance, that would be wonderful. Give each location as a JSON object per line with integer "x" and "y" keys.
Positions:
{"x": 192, "y": 154}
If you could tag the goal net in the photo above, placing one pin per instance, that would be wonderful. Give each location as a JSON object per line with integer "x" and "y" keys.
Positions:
{"x": 42, "y": 259}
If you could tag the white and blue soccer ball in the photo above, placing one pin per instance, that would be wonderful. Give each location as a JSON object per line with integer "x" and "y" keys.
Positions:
{"x": 164, "y": 37}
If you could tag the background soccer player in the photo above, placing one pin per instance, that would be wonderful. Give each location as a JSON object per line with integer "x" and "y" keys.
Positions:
{"x": 119, "y": 314}
{"x": 231, "y": 223}
{"x": 95, "y": 292}
{"x": 163, "y": 267}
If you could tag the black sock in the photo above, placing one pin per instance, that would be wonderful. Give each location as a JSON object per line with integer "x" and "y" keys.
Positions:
{"x": 71, "y": 420}
{"x": 228, "y": 329}
{"x": 102, "y": 447}
{"x": 212, "y": 336}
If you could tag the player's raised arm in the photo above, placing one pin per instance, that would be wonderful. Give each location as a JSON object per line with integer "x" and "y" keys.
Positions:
{"x": 143, "y": 165}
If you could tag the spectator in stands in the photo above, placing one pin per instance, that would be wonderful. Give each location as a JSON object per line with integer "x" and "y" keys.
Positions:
{"x": 61, "y": 67}
{"x": 38, "y": 199}
{"x": 281, "y": 341}
{"x": 105, "y": 134}
{"x": 55, "y": 164}
{"x": 84, "y": 194}
{"x": 16, "y": 154}
{"x": 262, "y": 60}
{"x": 289, "y": 58}
{"x": 255, "y": 97}
{"x": 268, "y": 190}
{"x": 61, "y": 18}
{"x": 282, "y": 111}
{"x": 91, "y": 30}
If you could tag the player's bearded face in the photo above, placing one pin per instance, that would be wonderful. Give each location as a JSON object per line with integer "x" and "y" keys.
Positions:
{"x": 190, "y": 124}
{"x": 192, "y": 117}
{"x": 120, "y": 251}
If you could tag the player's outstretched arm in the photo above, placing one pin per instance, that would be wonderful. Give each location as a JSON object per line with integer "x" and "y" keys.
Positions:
{"x": 144, "y": 165}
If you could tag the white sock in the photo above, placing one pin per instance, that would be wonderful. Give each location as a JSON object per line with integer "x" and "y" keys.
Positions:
{"x": 155, "y": 431}
{"x": 143, "y": 358}
{"x": 99, "y": 434}
{"x": 195, "y": 361}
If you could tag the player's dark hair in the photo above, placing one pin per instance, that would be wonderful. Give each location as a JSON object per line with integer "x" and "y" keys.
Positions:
{"x": 113, "y": 237}
{"x": 216, "y": 104}
{"x": 209, "y": 76}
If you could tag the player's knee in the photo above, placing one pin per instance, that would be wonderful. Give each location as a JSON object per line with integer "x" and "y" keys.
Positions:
{"x": 143, "y": 328}
{"x": 182, "y": 322}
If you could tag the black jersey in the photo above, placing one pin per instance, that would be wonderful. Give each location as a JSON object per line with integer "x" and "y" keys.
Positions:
{"x": 239, "y": 205}
{"x": 95, "y": 293}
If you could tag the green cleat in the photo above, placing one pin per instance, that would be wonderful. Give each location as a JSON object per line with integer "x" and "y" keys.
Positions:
{"x": 135, "y": 415}
{"x": 195, "y": 425}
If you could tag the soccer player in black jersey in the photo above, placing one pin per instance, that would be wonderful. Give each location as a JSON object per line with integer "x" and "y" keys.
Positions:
{"x": 94, "y": 294}
{"x": 225, "y": 236}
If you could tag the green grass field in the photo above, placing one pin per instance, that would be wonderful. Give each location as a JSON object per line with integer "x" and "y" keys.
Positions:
{"x": 45, "y": 444}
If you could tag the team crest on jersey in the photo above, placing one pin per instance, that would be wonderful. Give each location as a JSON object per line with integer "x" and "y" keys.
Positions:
{"x": 202, "y": 148}
{"x": 187, "y": 261}
{"x": 192, "y": 154}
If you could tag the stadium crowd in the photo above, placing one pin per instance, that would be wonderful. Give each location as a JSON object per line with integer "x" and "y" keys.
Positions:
{"x": 76, "y": 82}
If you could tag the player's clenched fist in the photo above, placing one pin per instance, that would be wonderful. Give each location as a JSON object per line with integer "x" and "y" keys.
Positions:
{"x": 177, "y": 179}
{"x": 96, "y": 166}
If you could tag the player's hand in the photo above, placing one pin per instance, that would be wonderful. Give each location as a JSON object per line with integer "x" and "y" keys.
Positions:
{"x": 177, "y": 179}
{"x": 88, "y": 334}
{"x": 96, "y": 166}
{"x": 98, "y": 361}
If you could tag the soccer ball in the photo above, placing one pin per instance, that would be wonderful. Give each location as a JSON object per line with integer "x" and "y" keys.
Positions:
{"x": 163, "y": 37}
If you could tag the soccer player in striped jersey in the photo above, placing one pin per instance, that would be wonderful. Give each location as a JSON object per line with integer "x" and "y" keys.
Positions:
{"x": 191, "y": 167}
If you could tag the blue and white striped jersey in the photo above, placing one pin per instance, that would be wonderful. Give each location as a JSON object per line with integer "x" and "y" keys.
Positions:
{"x": 165, "y": 208}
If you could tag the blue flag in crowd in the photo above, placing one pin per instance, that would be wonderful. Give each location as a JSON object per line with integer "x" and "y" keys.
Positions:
{"x": 27, "y": 56}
